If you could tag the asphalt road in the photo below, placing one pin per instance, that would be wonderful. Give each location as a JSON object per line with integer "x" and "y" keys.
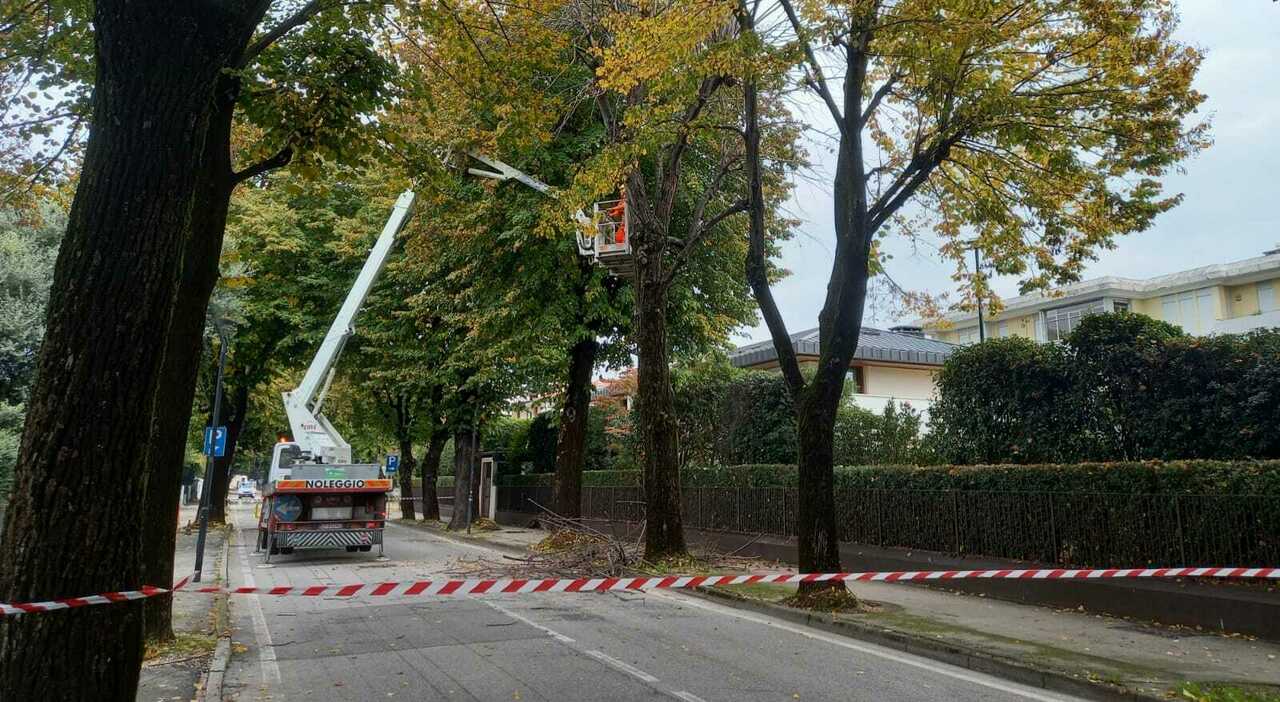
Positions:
{"x": 614, "y": 646}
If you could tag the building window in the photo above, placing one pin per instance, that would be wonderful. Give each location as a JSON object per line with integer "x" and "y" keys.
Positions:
{"x": 854, "y": 377}
{"x": 1119, "y": 306}
{"x": 1059, "y": 323}
{"x": 1002, "y": 330}
{"x": 1191, "y": 310}
{"x": 1267, "y": 297}
{"x": 967, "y": 336}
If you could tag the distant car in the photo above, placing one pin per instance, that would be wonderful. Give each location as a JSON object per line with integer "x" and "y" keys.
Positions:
{"x": 245, "y": 491}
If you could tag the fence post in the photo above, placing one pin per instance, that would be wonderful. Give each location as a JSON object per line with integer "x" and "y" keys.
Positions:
{"x": 738, "y": 509}
{"x": 1053, "y": 532}
{"x": 1182, "y": 541}
{"x": 955, "y": 518}
{"x": 879, "y": 494}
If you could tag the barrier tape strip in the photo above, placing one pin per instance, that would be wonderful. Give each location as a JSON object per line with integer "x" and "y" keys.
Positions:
{"x": 512, "y": 586}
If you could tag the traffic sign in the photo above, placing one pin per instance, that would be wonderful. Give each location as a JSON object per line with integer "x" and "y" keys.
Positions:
{"x": 393, "y": 463}
{"x": 215, "y": 440}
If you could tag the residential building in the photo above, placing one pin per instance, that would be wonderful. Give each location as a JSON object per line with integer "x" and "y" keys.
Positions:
{"x": 893, "y": 365}
{"x": 1223, "y": 298}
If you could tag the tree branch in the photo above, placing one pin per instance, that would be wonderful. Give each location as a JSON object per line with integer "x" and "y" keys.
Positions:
{"x": 279, "y": 160}
{"x": 297, "y": 19}
{"x": 816, "y": 79}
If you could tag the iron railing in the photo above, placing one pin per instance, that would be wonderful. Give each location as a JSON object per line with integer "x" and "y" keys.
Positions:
{"x": 1072, "y": 529}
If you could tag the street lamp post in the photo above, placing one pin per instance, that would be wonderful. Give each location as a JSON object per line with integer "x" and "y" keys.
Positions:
{"x": 207, "y": 491}
{"x": 977, "y": 268}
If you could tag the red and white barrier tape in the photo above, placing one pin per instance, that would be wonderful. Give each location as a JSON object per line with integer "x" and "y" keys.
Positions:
{"x": 512, "y": 586}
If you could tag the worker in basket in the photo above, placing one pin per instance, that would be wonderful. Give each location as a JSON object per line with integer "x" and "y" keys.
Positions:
{"x": 617, "y": 213}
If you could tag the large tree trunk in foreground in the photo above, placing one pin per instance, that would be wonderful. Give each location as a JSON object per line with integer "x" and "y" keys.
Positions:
{"x": 74, "y": 523}
{"x": 430, "y": 474}
{"x": 182, "y": 361}
{"x": 464, "y": 454}
{"x": 571, "y": 445}
{"x": 407, "y": 464}
{"x": 664, "y": 527}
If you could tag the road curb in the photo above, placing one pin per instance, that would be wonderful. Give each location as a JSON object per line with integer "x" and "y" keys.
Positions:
{"x": 211, "y": 691}
{"x": 970, "y": 659}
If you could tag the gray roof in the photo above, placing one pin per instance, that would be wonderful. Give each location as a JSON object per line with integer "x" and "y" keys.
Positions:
{"x": 873, "y": 345}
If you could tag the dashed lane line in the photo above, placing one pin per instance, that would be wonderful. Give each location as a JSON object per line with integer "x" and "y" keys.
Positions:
{"x": 623, "y": 666}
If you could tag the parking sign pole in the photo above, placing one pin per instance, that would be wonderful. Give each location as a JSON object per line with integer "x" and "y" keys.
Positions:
{"x": 207, "y": 491}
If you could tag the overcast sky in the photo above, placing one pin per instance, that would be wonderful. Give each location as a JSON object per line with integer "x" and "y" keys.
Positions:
{"x": 1231, "y": 209}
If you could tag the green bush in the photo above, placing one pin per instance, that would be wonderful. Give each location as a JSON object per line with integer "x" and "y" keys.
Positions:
{"x": 757, "y": 423}
{"x": 1122, "y": 388}
{"x": 894, "y": 437}
{"x": 1150, "y": 477}
{"x": 11, "y": 417}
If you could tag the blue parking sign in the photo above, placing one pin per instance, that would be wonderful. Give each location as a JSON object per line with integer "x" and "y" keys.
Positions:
{"x": 393, "y": 463}
{"x": 215, "y": 441}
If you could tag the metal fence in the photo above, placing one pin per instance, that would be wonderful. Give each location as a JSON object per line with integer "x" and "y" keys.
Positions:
{"x": 1071, "y": 529}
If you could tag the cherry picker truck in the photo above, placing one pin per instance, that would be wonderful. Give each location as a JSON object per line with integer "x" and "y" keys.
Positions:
{"x": 315, "y": 497}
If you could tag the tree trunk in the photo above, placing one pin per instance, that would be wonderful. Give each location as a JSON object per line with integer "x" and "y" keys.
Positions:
{"x": 464, "y": 454}
{"x": 74, "y": 523}
{"x": 430, "y": 474}
{"x": 407, "y": 464}
{"x": 656, "y": 423}
{"x": 235, "y": 405}
{"x": 571, "y": 445}
{"x": 182, "y": 361}
{"x": 816, "y": 533}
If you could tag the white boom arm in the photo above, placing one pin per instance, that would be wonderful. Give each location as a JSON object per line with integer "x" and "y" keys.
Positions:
{"x": 312, "y": 432}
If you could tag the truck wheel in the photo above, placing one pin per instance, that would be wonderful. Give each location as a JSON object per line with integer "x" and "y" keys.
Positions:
{"x": 366, "y": 548}
{"x": 274, "y": 550}
{"x": 287, "y": 551}
{"x": 352, "y": 549}
{"x": 262, "y": 539}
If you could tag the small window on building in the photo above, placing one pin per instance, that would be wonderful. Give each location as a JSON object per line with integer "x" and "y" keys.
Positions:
{"x": 854, "y": 378}
{"x": 967, "y": 336}
{"x": 1119, "y": 306}
{"x": 1002, "y": 330}
{"x": 1059, "y": 323}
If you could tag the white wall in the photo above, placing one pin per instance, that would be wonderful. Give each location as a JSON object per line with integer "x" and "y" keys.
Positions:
{"x": 900, "y": 383}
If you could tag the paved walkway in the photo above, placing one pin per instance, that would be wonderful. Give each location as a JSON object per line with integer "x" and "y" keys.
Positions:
{"x": 174, "y": 677}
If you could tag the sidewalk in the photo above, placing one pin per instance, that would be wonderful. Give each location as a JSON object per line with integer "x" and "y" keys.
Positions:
{"x": 1004, "y": 637}
{"x": 176, "y": 672}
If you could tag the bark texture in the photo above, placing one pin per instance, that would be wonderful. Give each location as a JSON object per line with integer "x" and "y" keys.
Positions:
{"x": 664, "y": 525}
{"x": 571, "y": 444}
{"x": 407, "y": 465}
{"x": 182, "y": 359}
{"x": 465, "y": 457}
{"x": 430, "y": 474}
{"x": 74, "y": 523}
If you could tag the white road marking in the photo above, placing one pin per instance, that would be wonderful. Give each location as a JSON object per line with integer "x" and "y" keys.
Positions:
{"x": 552, "y": 632}
{"x": 266, "y": 649}
{"x": 939, "y": 668}
{"x": 623, "y": 666}
{"x": 687, "y": 696}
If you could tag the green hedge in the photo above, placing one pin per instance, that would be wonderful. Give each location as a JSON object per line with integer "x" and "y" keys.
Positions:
{"x": 1123, "y": 387}
{"x": 1151, "y": 477}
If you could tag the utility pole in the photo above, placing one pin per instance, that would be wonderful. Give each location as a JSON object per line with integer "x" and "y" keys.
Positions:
{"x": 207, "y": 487}
{"x": 977, "y": 271}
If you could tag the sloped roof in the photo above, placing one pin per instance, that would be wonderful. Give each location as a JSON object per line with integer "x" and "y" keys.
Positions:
{"x": 873, "y": 345}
